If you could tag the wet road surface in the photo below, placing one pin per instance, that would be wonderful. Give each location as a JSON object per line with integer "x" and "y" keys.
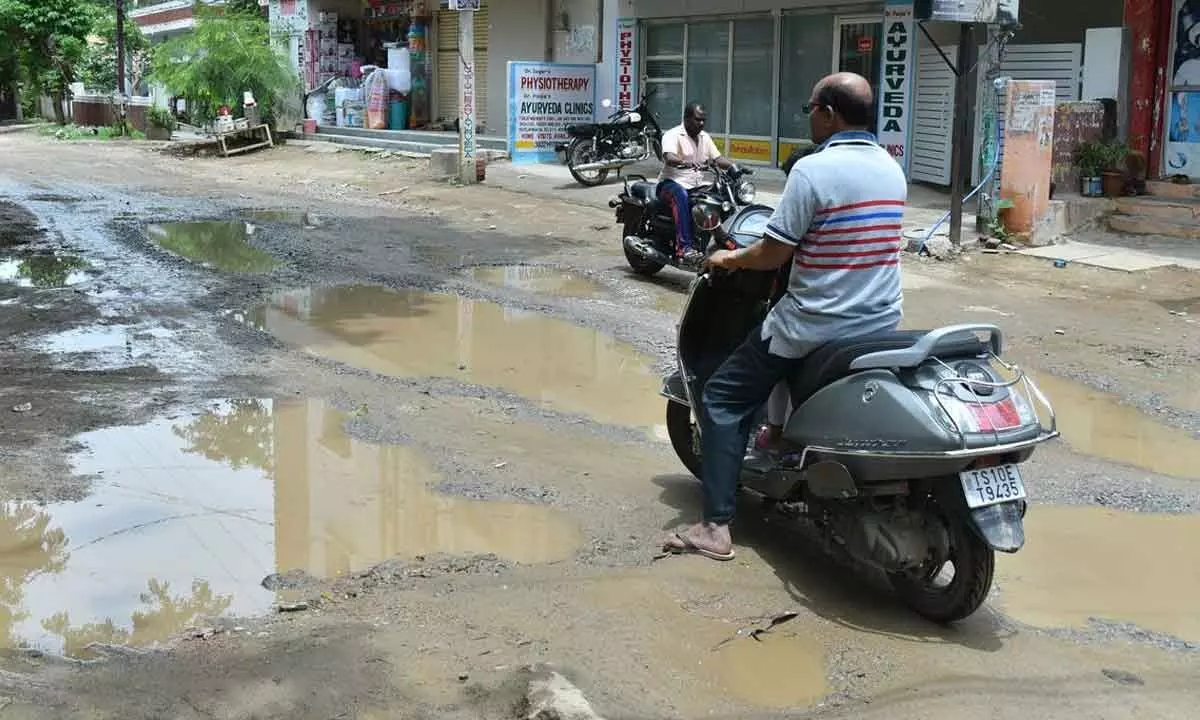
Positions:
{"x": 277, "y": 445}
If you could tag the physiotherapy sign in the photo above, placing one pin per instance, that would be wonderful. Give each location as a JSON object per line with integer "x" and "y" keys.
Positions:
{"x": 625, "y": 83}
{"x": 544, "y": 99}
{"x": 896, "y": 80}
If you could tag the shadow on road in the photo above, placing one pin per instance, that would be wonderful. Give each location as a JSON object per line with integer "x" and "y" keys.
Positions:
{"x": 841, "y": 595}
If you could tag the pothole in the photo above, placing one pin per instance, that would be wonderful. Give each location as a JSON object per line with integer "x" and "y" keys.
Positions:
{"x": 410, "y": 333}
{"x": 1094, "y": 423}
{"x": 538, "y": 279}
{"x": 188, "y": 515}
{"x": 1182, "y": 306}
{"x": 219, "y": 244}
{"x": 1084, "y": 563}
{"x": 44, "y": 271}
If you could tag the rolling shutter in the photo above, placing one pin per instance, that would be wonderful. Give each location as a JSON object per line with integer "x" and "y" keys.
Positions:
{"x": 447, "y": 64}
{"x": 933, "y": 116}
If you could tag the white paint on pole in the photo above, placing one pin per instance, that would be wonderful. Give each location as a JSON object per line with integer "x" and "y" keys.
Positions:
{"x": 466, "y": 90}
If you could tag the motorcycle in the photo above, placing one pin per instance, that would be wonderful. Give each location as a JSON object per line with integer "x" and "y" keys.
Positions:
{"x": 904, "y": 449}
{"x": 648, "y": 226}
{"x": 629, "y": 136}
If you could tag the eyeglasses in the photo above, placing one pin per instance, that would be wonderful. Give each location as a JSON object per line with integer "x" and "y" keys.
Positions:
{"x": 808, "y": 108}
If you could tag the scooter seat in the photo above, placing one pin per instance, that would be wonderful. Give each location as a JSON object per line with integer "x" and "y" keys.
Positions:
{"x": 643, "y": 191}
{"x": 831, "y": 362}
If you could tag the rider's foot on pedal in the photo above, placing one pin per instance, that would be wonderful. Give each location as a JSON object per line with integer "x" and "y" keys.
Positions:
{"x": 691, "y": 258}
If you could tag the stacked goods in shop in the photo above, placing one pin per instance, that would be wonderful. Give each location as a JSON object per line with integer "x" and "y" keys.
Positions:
{"x": 377, "y": 97}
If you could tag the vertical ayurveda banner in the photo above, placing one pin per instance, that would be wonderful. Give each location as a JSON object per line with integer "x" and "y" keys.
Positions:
{"x": 544, "y": 99}
{"x": 625, "y": 83}
{"x": 896, "y": 80}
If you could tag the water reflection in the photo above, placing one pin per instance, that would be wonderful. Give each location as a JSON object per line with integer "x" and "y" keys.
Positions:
{"x": 414, "y": 334}
{"x": 187, "y": 516}
{"x": 44, "y": 271}
{"x": 223, "y": 245}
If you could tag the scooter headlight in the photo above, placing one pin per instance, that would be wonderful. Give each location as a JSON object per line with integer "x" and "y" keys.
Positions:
{"x": 745, "y": 192}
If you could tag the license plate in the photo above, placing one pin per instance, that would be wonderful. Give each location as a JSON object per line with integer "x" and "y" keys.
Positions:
{"x": 991, "y": 485}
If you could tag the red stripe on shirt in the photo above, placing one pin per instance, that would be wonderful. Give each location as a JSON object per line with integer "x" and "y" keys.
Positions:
{"x": 857, "y": 205}
{"x": 856, "y": 241}
{"x": 865, "y": 253}
{"x": 845, "y": 266}
{"x": 853, "y": 229}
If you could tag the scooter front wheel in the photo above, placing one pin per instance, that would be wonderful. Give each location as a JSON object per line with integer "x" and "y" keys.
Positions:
{"x": 684, "y": 438}
{"x": 973, "y": 563}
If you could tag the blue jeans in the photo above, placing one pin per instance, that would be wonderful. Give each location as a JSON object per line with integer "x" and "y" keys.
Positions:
{"x": 674, "y": 195}
{"x": 731, "y": 399}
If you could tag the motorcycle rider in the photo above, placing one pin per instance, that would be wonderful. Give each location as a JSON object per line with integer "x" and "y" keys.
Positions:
{"x": 686, "y": 149}
{"x": 839, "y": 224}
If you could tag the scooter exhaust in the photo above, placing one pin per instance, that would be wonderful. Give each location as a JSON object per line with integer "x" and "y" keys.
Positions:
{"x": 645, "y": 249}
{"x": 603, "y": 165}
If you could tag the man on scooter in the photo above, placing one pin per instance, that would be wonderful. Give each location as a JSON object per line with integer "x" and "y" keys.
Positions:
{"x": 839, "y": 224}
{"x": 686, "y": 149}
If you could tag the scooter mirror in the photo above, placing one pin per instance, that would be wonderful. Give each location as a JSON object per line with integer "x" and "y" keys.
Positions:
{"x": 606, "y": 103}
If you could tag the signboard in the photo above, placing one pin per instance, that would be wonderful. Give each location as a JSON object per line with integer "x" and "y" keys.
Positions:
{"x": 625, "y": 83}
{"x": 464, "y": 4}
{"x": 988, "y": 12}
{"x": 750, "y": 149}
{"x": 543, "y": 100}
{"x": 866, "y": 44}
{"x": 896, "y": 80}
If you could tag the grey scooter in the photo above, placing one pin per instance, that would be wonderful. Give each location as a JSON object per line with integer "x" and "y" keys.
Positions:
{"x": 905, "y": 448}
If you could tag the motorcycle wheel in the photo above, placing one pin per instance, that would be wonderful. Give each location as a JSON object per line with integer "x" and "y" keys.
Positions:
{"x": 682, "y": 431}
{"x": 657, "y": 145}
{"x": 579, "y": 153}
{"x": 974, "y": 564}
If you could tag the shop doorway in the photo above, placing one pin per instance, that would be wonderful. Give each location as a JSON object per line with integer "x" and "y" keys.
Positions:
{"x": 858, "y": 48}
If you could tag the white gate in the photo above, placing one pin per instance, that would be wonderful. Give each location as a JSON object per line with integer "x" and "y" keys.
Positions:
{"x": 933, "y": 106}
{"x": 933, "y": 116}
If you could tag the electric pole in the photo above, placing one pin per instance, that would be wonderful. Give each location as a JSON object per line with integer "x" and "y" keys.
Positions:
{"x": 120, "y": 42}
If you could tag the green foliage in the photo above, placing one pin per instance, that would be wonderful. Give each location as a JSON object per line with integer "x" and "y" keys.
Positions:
{"x": 49, "y": 38}
{"x": 74, "y": 132}
{"x": 223, "y": 56}
{"x": 97, "y": 68}
{"x": 1097, "y": 156}
{"x": 161, "y": 117}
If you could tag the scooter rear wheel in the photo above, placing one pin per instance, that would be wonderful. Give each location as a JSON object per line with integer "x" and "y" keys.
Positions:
{"x": 974, "y": 564}
{"x": 684, "y": 439}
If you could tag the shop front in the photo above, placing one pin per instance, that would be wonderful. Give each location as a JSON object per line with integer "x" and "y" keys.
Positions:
{"x": 1181, "y": 146}
{"x": 754, "y": 72}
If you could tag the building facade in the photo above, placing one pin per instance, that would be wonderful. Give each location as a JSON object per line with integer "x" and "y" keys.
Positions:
{"x": 754, "y": 62}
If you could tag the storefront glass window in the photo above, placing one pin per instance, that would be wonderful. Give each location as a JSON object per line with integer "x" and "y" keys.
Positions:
{"x": 860, "y": 51}
{"x": 753, "y": 60}
{"x": 807, "y": 56}
{"x": 664, "y": 72}
{"x": 707, "y": 70}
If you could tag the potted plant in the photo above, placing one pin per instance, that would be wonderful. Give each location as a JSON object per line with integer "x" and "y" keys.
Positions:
{"x": 1090, "y": 158}
{"x": 160, "y": 123}
{"x": 1112, "y": 172}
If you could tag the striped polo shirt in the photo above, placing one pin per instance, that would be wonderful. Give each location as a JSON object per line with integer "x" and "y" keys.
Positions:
{"x": 841, "y": 209}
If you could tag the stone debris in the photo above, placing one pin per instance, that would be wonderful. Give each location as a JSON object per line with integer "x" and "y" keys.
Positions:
{"x": 553, "y": 697}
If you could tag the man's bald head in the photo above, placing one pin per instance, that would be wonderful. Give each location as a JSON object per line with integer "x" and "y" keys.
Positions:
{"x": 850, "y": 98}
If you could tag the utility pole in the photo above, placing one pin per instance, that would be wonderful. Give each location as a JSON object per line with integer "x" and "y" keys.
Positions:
{"x": 466, "y": 89}
{"x": 964, "y": 104}
{"x": 120, "y": 33}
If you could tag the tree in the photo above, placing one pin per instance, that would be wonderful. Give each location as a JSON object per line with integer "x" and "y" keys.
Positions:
{"x": 98, "y": 66}
{"x": 49, "y": 37}
{"x": 225, "y": 54}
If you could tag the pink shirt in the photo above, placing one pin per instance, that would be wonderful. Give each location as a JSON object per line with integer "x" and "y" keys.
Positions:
{"x": 677, "y": 142}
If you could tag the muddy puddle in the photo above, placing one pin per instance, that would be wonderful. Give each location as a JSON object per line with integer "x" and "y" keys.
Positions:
{"x": 538, "y": 279}
{"x": 1080, "y": 563}
{"x": 1183, "y": 306}
{"x": 303, "y": 219}
{"x": 1097, "y": 424}
{"x": 784, "y": 668}
{"x": 223, "y": 245}
{"x": 44, "y": 271}
{"x": 418, "y": 334}
{"x": 187, "y": 515}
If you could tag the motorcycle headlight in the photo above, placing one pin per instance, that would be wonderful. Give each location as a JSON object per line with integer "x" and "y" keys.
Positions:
{"x": 745, "y": 192}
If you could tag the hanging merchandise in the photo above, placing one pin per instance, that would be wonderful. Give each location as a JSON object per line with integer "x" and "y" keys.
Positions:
{"x": 377, "y": 97}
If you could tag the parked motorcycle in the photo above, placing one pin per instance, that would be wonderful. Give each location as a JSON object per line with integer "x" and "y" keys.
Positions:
{"x": 630, "y": 136}
{"x": 648, "y": 226}
{"x": 905, "y": 449}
